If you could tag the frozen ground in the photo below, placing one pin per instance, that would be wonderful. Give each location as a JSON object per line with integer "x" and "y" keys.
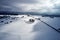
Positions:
{"x": 16, "y": 28}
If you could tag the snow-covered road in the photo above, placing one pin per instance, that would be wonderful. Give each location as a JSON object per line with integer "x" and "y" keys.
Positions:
{"x": 20, "y": 30}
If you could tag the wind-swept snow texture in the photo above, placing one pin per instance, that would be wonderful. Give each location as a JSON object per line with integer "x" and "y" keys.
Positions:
{"x": 16, "y": 28}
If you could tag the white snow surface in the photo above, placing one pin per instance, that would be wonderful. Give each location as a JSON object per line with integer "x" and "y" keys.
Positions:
{"x": 20, "y": 30}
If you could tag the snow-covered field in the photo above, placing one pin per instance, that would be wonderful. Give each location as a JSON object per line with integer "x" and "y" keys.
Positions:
{"x": 18, "y": 28}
